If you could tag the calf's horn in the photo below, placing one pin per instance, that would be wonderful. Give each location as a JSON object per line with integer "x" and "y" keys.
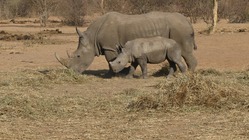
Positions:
{"x": 68, "y": 55}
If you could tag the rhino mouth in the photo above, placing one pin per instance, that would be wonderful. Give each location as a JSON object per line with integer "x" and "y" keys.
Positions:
{"x": 116, "y": 70}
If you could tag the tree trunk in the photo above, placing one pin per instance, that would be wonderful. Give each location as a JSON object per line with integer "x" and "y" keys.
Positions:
{"x": 102, "y": 6}
{"x": 215, "y": 17}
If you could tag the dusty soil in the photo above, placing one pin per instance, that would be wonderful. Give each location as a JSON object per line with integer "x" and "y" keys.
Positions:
{"x": 226, "y": 50}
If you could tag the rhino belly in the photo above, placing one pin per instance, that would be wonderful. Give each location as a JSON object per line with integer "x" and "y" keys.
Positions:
{"x": 156, "y": 57}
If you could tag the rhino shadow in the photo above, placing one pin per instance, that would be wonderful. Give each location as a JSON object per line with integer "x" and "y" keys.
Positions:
{"x": 98, "y": 73}
{"x": 103, "y": 73}
{"x": 162, "y": 72}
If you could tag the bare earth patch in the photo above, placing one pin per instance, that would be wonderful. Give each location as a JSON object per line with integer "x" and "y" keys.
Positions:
{"x": 40, "y": 99}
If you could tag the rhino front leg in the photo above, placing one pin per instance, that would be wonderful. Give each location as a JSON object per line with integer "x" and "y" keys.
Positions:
{"x": 143, "y": 64}
{"x": 132, "y": 70}
{"x": 110, "y": 56}
{"x": 190, "y": 61}
{"x": 187, "y": 54}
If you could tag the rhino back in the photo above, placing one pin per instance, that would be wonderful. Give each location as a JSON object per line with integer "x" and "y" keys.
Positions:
{"x": 120, "y": 28}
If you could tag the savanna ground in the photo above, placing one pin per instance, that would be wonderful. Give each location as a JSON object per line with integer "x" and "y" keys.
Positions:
{"x": 40, "y": 99}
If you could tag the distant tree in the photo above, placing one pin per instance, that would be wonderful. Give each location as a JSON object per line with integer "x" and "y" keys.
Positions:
{"x": 44, "y": 8}
{"x": 102, "y": 6}
{"x": 215, "y": 16}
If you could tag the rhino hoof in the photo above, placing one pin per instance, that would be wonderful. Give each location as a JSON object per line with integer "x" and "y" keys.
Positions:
{"x": 143, "y": 77}
{"x": 129, "y": 76}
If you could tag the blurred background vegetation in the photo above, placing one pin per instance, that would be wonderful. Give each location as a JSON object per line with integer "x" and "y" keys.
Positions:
{"x": 73, "y": 12}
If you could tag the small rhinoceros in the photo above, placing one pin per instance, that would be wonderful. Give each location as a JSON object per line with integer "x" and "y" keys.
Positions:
{"x": 149, "y": 50}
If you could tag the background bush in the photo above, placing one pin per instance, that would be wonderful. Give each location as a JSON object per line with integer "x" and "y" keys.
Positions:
{"x": 72, "y": 12}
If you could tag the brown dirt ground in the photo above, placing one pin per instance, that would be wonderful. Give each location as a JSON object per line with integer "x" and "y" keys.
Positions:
{"x": 223, "y": 51}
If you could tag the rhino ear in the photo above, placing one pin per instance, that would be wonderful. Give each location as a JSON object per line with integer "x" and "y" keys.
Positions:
{"x": 119, "y": 49}
{"x": 79, "y": 32}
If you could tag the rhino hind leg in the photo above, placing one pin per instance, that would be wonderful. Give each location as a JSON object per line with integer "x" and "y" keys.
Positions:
{"x": 187, "y": 54}
{"x": 172, "y": 68}
{"x": 174, "y": 58}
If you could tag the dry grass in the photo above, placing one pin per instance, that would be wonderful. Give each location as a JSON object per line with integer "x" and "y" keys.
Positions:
{"x": 39, "y": 78}
{"x": 21, "y": 94}
{"x": 25, "y": 97}
{"x": 205, "y": 88}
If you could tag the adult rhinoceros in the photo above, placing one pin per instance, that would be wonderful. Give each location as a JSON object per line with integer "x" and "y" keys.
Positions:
{"x": 114, "y": 29}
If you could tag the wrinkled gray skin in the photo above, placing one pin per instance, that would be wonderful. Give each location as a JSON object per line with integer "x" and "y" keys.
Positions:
{"x": 149, "y": 50}
{"x": 115, "y": 29}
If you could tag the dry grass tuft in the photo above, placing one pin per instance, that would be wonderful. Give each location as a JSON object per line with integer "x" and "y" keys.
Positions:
{"x": 40, "y": 107}
{"x": 209, "y": 91}
{"x": 205, "y": 88}
{"x": 34, "y": 79}
{"x": 142, "y": 103}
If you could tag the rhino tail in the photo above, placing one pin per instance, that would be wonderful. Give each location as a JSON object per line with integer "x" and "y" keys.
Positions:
{"x": 193, "y": 36}
{"x": 195, "y": 46}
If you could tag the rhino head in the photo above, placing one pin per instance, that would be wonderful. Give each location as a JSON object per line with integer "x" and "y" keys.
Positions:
{"x": 120, "y": 62}
{"x": 82, "y": 57}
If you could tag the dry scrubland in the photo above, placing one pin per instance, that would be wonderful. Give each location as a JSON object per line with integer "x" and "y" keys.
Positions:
{"x": 39, "y": 99}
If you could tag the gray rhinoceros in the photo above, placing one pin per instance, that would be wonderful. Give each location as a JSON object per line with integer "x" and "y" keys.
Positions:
{"x": 149, "y": 50}
{"x": 112, "y": 29}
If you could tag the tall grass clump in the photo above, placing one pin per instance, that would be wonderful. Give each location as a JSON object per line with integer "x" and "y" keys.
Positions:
{"x": 37, "y": 79}
{"x": 208, "y": 91}
{"x": 205, "y": 88}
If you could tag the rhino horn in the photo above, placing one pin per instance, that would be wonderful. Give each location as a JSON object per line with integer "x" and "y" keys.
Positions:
{"x": 79, "y": 32}
{"x": 64, "y": 62}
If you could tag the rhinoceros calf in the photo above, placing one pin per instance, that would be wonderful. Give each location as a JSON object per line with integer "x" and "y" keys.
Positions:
{"x": 149, "y": 50}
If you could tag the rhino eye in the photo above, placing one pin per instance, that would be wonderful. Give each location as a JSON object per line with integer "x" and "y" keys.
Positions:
{"x": 78, "y": 56}
{"x": 119, "y": 62}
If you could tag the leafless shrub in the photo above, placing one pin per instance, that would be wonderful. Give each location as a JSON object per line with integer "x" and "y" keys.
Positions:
{"x": 236, "y": 11}
{"x": 122, "y": 6}
{"x": 73, "y": 12}
{"x": 44, "y": 9}
{"x": 196, "y": 9}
